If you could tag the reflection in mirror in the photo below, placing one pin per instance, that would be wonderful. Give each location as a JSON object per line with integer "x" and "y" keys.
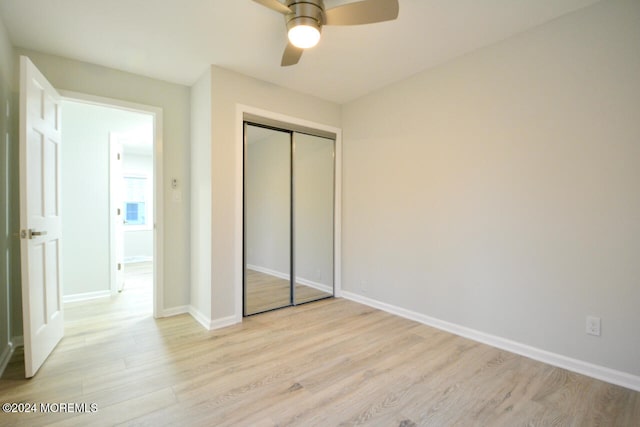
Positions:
{"x": 313, "y": 182}
{"x": 267, "y": 220}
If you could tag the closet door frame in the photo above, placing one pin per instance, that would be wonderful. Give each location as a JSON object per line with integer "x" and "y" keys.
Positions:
{"x": 282, "y": 122}
{"x": 250, "y": 113}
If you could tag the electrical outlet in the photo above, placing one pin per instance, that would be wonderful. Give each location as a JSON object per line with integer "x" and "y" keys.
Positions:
{"x": 593, "y": 325}
{"x": 363, "y": 286}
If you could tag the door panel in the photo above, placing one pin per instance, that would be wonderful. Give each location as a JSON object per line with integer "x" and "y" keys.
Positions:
{"x": 40, "y": 220}
{"x": 50, "y": 182}
{"x": 289, "y": 187}
{"x": 52, "y": 279}
{"x": 267, "y": 219}
{"x": 36, "y": 276}
{"x": 313, "y": 175}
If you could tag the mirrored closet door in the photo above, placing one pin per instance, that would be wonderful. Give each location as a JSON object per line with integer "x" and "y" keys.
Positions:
{"x": 313, "y": 182}
{"x": 288, "y": 218}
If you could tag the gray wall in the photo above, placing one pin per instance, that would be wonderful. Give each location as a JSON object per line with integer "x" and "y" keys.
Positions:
{"x": 10, "y": 310}
{"x": 501, "y": 191}
{"x": 66, "y": 74}
{"x": 201, "y": 195}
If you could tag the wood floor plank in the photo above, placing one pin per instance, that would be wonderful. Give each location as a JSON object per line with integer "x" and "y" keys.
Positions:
{"x": 123, "y": 411}
{"x": 328, "y": 363}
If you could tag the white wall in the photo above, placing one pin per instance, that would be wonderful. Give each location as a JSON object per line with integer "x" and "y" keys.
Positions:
{"x": 85, "y": 178}
{"x": 501, "y": 191}
{"x": 10, "y": 309}
{"x": 138, "y": 243}
{"x": 174, "y": 100}
{"x": 220, "y": 175}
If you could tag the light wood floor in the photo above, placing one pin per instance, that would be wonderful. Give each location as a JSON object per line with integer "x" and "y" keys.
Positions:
{"x": 330, "y": 363}
{"x": 266, "y": 292}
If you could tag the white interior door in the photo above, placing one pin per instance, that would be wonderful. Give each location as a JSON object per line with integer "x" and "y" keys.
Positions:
{"x": 117, "y": 215}
{"x": 40, "y": 219}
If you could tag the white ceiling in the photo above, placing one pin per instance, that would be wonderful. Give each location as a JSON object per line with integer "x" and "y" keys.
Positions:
{"x": 176, "y": 40}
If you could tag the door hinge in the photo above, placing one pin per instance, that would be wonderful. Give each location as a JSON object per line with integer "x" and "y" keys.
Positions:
{"x": 118, "y": 211}
{"x": 119, "y": 266}
{"x": 118, "y": 156}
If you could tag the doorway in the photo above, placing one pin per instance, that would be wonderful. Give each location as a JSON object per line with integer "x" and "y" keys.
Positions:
{"x": 41, "y": 186}
{"x": 109, "y": 212}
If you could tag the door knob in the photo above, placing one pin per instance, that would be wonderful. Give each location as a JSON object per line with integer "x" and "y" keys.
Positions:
{"x": 31, "y": 233}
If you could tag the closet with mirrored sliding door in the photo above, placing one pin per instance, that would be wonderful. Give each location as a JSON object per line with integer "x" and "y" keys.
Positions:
{"x": 289, "y": 191}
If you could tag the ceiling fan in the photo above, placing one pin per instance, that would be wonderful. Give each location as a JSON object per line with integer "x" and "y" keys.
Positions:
{"x": 305, "y": 18}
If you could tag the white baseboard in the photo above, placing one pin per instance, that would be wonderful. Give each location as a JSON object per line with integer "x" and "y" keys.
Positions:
{"x": 205, "y": 321}
{"x": 285, "y": 276}
{"x": 268, "y": 271}
{"x": 135, "y": 259}
{"x": 223, "y": 322}
{"x": 579, "y": 366}
{"x": 5, "y": 357}
{"x": 7, "y": 353}
{"x": 199, "y": 317}
{"x": 174, "y": 311}
{"x": 17, "y": 341}
{"x": 211, "y": 324}
{"x": 85, "y": 296}
{"x": 315, "y": 285}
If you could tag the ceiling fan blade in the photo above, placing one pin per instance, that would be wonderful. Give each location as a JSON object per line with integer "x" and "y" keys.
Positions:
{"x": 274, "y": 5}
{"x": 363, "y": 12}
{"x": 291, "y": 55}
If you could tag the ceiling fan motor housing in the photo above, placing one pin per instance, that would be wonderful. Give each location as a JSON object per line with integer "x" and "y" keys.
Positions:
{"x": 305, "y": 12}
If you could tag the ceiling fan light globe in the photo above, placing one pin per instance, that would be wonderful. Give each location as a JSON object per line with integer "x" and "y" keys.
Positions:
{"x": 304, "y": 36}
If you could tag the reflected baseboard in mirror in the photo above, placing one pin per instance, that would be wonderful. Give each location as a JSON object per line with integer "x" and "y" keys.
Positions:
{"x": 266, "y": 292}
